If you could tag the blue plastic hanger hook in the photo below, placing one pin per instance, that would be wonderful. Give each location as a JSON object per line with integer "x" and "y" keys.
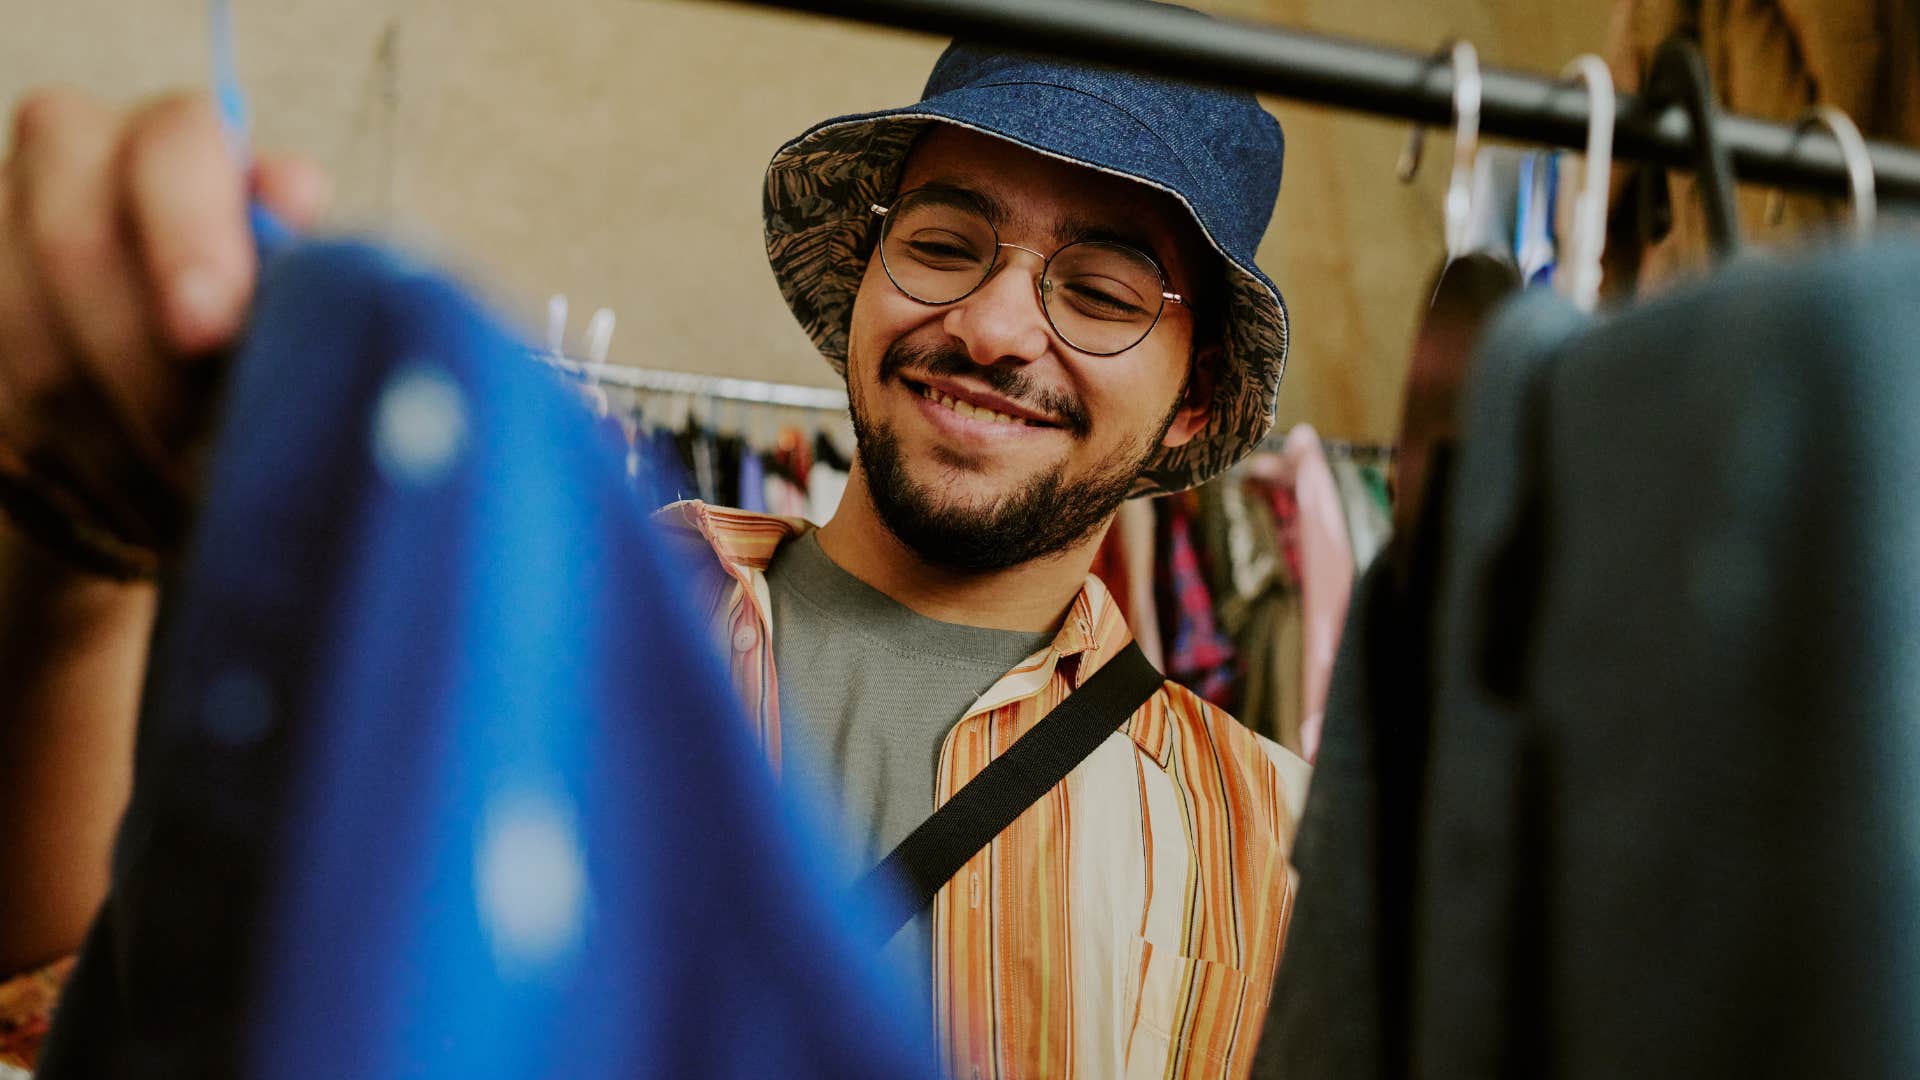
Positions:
{"x": 269, "y": 234}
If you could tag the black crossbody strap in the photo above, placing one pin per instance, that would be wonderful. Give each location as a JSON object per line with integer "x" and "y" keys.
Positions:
{"x": 906, "y": 880}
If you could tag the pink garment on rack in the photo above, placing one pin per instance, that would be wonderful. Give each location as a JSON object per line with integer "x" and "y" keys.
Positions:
{"x": 784, "y": 498}
{"x": 1125, "y": 563}
{"x": 1137, "y": 529}
{"x": 1326, "y": 574}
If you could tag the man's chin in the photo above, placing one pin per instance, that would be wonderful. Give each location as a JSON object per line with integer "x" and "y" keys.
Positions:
{"x": 978, "y": 511}
{"x": 957, "y": 483}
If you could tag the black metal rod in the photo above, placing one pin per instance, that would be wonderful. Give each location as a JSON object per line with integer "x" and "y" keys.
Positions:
{"x": 1346, "y": 74}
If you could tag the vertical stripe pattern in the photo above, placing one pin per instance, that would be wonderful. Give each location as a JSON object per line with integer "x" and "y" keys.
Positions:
{"x": 1129, "y": 923}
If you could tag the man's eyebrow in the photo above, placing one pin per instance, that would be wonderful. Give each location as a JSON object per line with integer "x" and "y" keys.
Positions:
{"x": 1074, "y": 230}
{"x": 995, "y": 209}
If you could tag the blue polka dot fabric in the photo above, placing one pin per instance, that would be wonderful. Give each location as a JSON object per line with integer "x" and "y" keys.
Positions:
{"x": 437, "y": 775}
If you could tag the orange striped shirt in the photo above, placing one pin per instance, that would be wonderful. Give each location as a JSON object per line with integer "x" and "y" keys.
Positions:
{"x": 1129, "y": 923}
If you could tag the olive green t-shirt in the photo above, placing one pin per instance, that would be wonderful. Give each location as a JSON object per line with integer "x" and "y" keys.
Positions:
{"x": 868, "y": 691}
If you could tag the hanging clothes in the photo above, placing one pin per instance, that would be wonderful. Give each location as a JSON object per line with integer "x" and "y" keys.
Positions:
{"x": 435, "y": 771}
{"x": 793, "y": 457}
{"x": 825, "y": 487}
{"x": 1110, "y": 566}
{"x": 753, "y": 482}
{"x": 699, "y": 448}
{"x": 1666, "y": 753}
{"x": 1201, "y": 657}
{"x": 783, "y": 497}
{"x": 1257, "y": 601}
{"x": 1363, "y": 497}
{"x": 730, "y": 452}
{"x": 1326, "y": 576}
{"x": 827, "y": 452}
{"x": 1136, "y": 528}
{"x": 1125, "y": 563}
{"x": 664, "y": 465}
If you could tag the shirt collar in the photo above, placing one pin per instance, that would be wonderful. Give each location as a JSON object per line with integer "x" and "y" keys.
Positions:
{"x": 1093, "y": 632}
{"x": 743, "y": 540}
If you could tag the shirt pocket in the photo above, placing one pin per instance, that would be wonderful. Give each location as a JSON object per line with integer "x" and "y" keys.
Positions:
{"x": 1185, "y": 1014}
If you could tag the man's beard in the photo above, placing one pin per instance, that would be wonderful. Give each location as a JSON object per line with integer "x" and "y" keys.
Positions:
{"x": 1047, "y": 515}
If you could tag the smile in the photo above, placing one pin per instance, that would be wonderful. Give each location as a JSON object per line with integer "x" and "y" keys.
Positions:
{"x": 971, "y": 412}
{"x": 961, "y": 409}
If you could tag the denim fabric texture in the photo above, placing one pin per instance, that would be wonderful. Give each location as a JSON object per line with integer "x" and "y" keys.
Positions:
{"x": 1217, "y": 151}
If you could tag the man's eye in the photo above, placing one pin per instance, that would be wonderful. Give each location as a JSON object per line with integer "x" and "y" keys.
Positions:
{"x": 936, "y": 250}
{"x": 940, "y": 248}
{"x": 1100, "y": 301}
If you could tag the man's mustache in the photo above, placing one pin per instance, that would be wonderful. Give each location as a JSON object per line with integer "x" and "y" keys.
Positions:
{"x": 1009, "y": 382}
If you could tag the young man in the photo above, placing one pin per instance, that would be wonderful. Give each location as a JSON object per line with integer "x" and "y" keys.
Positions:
{"x": 1039, "y": 284}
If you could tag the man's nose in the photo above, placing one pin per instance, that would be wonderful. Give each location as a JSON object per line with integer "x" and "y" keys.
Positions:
{"x": 1002, "y": 321}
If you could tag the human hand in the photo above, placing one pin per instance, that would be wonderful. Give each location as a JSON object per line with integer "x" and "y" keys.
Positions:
{"x": 126, "y": 269}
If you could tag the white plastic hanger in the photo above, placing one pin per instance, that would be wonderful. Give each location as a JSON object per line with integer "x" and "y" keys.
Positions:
{"x": 1466, "y": 141}
{"x": 1859, "y": 162}
{"x": 1578, "y": 277}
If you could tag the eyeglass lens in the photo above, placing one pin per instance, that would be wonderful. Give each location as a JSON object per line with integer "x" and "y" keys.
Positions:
{"x": 1103, "y": 298}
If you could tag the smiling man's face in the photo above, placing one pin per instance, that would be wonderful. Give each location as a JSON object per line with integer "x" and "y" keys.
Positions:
{"x": 970, "y": 490}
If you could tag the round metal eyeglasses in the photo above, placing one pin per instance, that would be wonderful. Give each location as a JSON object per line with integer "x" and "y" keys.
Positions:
{"x": 938, "y": 245}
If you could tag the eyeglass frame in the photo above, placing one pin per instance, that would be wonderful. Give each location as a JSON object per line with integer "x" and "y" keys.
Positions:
{"x": 1046, "y": 264}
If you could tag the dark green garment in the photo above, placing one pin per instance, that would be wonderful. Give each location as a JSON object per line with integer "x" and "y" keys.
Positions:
{"x": 1654, "y": 816}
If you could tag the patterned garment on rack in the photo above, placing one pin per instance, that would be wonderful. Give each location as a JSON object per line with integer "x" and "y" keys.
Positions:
{"x": 1129, "y": 924}
{"x": 1286, "y": 516}
{"x": 1201, "y": 657}
{"x": 1110, "y": 566}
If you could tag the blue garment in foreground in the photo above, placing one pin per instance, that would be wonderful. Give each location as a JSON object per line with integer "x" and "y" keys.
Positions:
{"x": 519, "y": 828}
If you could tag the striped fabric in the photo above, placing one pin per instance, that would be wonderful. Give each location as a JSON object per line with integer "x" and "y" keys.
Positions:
{"x": 1129, "y": 923}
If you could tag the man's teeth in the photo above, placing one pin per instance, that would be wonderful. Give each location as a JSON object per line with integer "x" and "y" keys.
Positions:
{"x": 969, "y": 410}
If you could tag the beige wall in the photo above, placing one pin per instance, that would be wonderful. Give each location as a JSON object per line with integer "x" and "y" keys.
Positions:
{"x": 612, "y": 150}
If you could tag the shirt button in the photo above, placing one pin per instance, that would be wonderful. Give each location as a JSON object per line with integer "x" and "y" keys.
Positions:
{"x": 743, "y": 639}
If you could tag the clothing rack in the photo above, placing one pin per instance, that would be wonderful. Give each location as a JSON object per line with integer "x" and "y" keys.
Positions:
{"x": 749, "y": 391}
{"x": 1359, "y": 453}
{"x": 1326, "y": 70}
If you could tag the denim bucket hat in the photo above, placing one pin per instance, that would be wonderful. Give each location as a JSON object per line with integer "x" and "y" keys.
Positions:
{"x": 1218, "y": 152}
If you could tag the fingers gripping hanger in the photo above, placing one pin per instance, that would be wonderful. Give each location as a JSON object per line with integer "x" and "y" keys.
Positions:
{"x": 1580, "y": 274}
{"x": 1679, "y": 77}
{"x": 1859, "y": 162}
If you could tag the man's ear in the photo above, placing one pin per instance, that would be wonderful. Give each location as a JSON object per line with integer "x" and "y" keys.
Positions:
{"x": 1197, "y": 407}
